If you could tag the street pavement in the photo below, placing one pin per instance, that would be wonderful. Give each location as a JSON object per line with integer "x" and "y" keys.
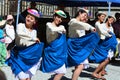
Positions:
{"x": 113, "y": 70}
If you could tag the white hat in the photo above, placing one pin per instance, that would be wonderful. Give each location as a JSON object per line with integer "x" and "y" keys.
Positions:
{"x": 101, "y": 12}
{"x": 2, "y": 23}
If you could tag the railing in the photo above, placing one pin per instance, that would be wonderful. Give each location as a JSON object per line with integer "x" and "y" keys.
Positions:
{"x": 47, "y": 10}
{"x": 10, "y": 7}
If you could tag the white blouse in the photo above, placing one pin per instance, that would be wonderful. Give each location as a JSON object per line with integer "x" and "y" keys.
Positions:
{"x": 10, "y": 33}
{"x": 52, "y": 31}
{"x": 77, "y": 28}
{"x": 25, "y": 37}
{"x": 103, "y": 30}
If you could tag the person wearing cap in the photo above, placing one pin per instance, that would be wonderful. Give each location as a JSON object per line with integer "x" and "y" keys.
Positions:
{"x": 56, "y": 51}
{"x": 25, "y": 56}
{"x": 10, "y": 33}
{"x": 104, "y": 52}
{"x": 80, "y": 44}
{"x": 24, "y": 13}
{"x": 100, "y": 19}
{"x": 3, "y": 50}
{"x": 67, "y": 19}
{"x": 116, "y": 27}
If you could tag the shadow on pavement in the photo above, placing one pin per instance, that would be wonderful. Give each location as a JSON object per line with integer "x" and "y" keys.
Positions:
{"x": 84, "y": 74}
{"x": 63, "y": 78}
{"x": 90, "y": 69}
{"x": 115, "y": 62}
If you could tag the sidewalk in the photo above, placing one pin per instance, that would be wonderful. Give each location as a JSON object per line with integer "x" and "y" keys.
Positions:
{"x": 113, "y": 70}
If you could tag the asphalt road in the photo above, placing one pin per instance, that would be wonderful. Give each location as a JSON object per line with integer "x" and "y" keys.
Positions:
{"x": 113, "y": 70}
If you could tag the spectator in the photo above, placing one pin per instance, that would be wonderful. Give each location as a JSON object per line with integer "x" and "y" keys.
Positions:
{"x": 10, "y": 33}
{"x": 2, "y": 43}
{"x": 2, "y": 75}
{"x": 116, "y": 27}
{"x": 24, "y": 13}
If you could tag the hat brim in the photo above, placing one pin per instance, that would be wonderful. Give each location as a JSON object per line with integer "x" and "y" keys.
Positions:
{"x": 37, "y": 16}
{"x": 61, "y": 15}
{"x": 2, "y": 23}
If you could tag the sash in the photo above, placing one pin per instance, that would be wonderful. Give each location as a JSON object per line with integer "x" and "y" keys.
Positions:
{"x": 55, "y": 54}
{"x": 22, "y": 59}
{"x": 80, "y": 48}
{"x": 101, "y": 51}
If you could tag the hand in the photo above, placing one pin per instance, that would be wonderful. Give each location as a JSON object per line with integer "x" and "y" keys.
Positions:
{"x": 2, "y": 40}
{"x": 64, "y": 32}
{"x": 37, "y": 40}
{"x": 94, "y": 30}
{"x": 4, "y": 35}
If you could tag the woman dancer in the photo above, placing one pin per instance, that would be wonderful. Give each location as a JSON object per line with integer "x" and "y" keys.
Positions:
{"x": 55, "y": 53}
{"x": 80, "y": 45}
{"x": 105, "y": 49}
{"x": 25, "y": 56}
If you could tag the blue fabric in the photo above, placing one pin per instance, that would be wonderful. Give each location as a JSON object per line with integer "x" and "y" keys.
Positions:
{"x": 80, "y": 48}
{"x": 73, "y": 3}
{"x": 1, "y": 34}
{"x": 101, "y": 51}
{"x": 22, "y": 59}
{"x": 55, "y": 54}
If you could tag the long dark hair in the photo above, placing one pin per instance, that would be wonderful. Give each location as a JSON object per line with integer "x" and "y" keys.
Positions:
{"x": 108, "y": 18}
{"x": 80, "y": 11}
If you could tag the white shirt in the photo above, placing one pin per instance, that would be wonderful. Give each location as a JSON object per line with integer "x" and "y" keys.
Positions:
{"x": 25, "y": 37}
{"x": 10, "y": 33}
{"x": 52, "y": 31}
{"x": 77, "y": 28}
{"x": 103, "y": 30}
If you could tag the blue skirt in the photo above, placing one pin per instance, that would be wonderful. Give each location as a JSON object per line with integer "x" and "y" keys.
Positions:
{"x": 55, "y": 54}
{"x": 22, "y": 59}
{"x": 80, "y": 48}
{"x": 101, "y": 51}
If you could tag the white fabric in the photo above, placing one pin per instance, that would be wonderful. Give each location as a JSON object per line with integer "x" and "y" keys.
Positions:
{"x": 110, "y": 54}
{"x": 10, "y": 33}
{"x": 30, "y": 72}
{"x": 62, "y": 69}
{"x": 85, "y": 63}
{"x": 52, "y": 31}
{"x": 25, "y": 37}
{"x": 77, "y": 28}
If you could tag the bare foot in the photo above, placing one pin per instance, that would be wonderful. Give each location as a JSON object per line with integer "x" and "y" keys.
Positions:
{"x": 103, "y": 73}
{"x": 95, "y": 75}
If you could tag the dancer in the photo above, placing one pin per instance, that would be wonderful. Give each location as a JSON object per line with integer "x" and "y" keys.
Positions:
{"x": 80, "y": 45}
{"x": 25, "y": 56}
{"x": 105, "y": 49}
{"x": 55, "y": 53}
